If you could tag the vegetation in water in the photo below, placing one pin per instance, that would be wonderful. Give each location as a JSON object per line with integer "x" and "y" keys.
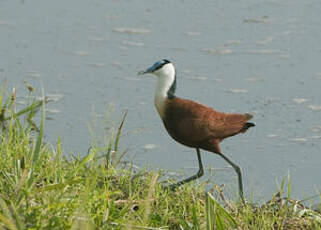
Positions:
{"x": 40, "y": 188}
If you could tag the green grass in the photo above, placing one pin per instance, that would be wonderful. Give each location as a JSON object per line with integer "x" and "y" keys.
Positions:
{"x": 42, "y": 189}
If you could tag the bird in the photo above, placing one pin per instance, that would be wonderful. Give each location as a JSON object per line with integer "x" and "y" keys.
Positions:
{"x": 194, "y": 124}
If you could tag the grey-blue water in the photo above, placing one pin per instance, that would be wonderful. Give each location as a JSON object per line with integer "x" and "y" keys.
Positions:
{"x": 261, "y": 57}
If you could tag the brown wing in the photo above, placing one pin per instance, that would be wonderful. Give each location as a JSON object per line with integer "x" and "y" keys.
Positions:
{"x": 192, "y": 122}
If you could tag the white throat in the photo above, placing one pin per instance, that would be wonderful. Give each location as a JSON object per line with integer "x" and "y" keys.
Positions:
{"x": 165, "y": 79}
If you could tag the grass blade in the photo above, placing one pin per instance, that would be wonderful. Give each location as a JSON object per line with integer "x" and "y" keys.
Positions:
{"x": 216, "y": 215}
{"x": 29, "y": 108}
{"x": 3, "y": 85}
{"x": 40, "y": 135}
{"x": 117, "y": 138}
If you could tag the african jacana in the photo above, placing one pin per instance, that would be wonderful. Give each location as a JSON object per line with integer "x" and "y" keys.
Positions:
{"x": 193, "y": 124}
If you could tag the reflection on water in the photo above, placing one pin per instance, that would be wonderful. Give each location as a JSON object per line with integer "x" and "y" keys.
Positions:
{"x": 261, "y": 57}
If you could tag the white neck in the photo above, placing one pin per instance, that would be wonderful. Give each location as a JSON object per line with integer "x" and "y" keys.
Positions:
{"x": 165, "y": 79}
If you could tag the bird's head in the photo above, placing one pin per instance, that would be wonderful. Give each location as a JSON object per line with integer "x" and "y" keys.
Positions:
{"x": 161, "y": 68}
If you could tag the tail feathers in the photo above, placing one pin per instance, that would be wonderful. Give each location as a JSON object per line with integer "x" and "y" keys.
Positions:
{"x": 248, "y": 116}
{"x": 247, "y": 126}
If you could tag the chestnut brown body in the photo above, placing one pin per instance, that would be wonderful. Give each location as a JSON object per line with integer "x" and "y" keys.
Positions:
{"x": 199, "y": 126}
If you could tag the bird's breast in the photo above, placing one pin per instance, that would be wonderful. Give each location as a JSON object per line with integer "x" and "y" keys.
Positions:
{"x": 179, "y": 120}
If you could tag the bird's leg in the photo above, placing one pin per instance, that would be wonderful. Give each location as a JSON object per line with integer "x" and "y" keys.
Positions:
{"x": 197, "y": 175}
{"x": 239, "y": 175}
